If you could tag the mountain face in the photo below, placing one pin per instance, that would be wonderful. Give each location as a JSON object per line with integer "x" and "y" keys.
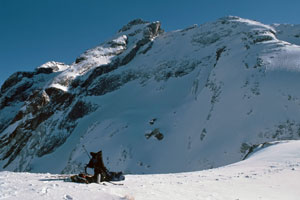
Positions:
{"x": 156, "y": 101}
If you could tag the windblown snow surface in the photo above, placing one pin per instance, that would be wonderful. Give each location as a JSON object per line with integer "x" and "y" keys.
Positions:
{"x": 270, "y": 173}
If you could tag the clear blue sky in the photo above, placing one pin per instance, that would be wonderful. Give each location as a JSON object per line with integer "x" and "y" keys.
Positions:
{"x": 33, "y": 32}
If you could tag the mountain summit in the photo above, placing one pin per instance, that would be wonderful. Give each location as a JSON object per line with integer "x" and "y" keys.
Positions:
{"x": 156, "y": 101}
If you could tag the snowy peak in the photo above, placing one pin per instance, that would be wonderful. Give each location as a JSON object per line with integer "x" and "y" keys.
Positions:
{"x": 115, "y": 52}
{"x": 236, "y": 26}
{"x": 139, "y": 25}
{"x": 55, "y": 66}
{"x": 250, "y": 23}
{"x": 127, "y": 37}
{"x": 214, "y": 90}
{"x": 132, "y": 23}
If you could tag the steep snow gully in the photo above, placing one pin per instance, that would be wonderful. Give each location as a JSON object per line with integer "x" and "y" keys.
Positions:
{"x": 155, "y": 101}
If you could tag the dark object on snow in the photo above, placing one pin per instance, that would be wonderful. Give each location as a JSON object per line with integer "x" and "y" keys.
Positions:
{"x": 152, "y": 121}
{"x": 96, "y": 163}
{"x": 156, "y": 133}
{"x": 116, "y": 176}
{"x": 100, "y": 171}
{"x": 87, "y": 178}
{"x": 82, "y": 178}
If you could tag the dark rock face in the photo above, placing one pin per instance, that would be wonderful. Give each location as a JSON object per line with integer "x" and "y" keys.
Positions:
{"x": 18, "y": 88}
{"x": 79, "y": 110}
{"x": 132, "y": 23}
{"x": 109, "y": 83}
{"x": 249, "y": 149}
{"x": 59, "y": 98}
{"x": 44, "y": 71}
{"x": 79, "y": 59}
{"x": 105, "y": 84}
{"x": 40, "y": 105}
{"x": 16, "y": 94}
{"x": 155, "y": 133}
{"x": 14, "y": 79}
{"x": 100, "y": 82}
{"x": 150, "y": 31}
{"x": 19, "y": 76}
{"x": 15, "y": 142}
{"x": 37, "y": 101}
{"x": 97, "y": 72}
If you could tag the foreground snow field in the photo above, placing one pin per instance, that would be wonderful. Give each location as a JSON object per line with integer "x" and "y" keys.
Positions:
{"x": 271, "y": 173}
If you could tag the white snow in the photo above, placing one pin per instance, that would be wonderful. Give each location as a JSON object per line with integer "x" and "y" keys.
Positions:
{"x": 58, "y": 86}
{"x": 56, "y": 66}
{"x": 94, "y": 57}
{"x": 272, "y": 173}
{"x": 120, "y": 40}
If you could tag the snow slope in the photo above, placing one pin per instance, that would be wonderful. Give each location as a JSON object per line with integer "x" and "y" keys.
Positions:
{"x": 272, "y": 173}
{"x": 156, "y": 102}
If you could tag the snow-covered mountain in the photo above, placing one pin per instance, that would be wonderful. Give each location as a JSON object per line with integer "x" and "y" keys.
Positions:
{"x": 156, "y": 101}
